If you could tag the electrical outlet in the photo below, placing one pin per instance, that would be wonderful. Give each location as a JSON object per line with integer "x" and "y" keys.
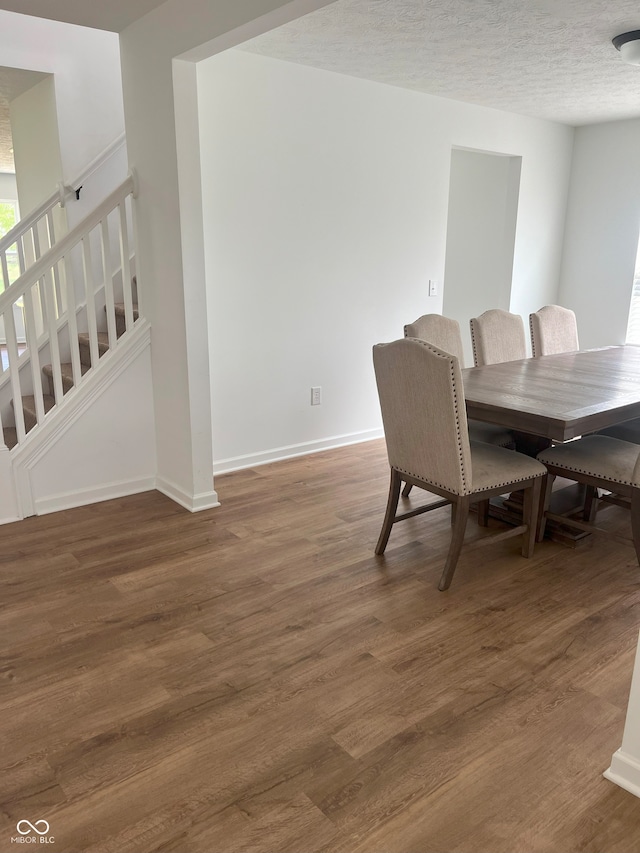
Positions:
{"x": 316, "y": 395}
{"x": 433, "y": 287}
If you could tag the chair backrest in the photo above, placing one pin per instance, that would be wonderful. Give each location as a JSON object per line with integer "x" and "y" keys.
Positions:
{"x": 553, "y": 329}
{"x": 497, "y": 336}
{"x": 423, "y": 411}
{"x": 440, "y": 331}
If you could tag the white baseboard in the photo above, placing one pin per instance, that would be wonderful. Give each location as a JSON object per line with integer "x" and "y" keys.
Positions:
{"x": 278, "y": 454}
{"x": 10, "y": 520}
{"x": 82, "y": 497}
{"x": 194, "y": 503}
{"x": 624, "y": 772}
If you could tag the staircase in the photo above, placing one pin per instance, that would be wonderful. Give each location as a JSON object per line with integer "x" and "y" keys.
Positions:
{"x": 77, "y": 300}
{"x": 66, "y": 374}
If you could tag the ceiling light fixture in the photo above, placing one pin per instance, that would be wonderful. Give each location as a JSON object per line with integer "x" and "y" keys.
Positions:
{"x": 629, "y": 46}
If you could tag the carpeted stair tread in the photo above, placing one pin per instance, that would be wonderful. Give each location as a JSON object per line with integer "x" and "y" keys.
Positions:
{"x": 103, "y": 341}
{"x": 121, "y": 320}
{"x": 66, "y": 370}
{"x": 85, "y": 348}
{"x": 120, "y": 310}
{"x": 29, "y": 409}
{"x": 29, "y": 403}
{"x": 10, "y": 437}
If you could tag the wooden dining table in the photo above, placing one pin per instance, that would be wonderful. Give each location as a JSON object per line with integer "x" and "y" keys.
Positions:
{"x": 557, "y": 396}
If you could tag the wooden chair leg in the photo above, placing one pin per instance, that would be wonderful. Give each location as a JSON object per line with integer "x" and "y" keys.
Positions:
{"x": 544, "y": 506}
{"x": 457, "y": 538}
{"x": 591, "y": 497}
{"x": 530, "y": 515}
{"x": 635, "y": 520}
{"x": 483, "y": 513}
{"x": 407, "y": 490}
{"x": 390, "y": 514}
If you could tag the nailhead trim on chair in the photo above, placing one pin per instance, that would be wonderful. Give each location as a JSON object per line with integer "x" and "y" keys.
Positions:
{"x": 533, "y": 344}
{"x": 451, "y": 358}
{"x": 473, "y": 491}
{"x": 473, "y": 344}
{"x": 458, "y": 432}
{"x": 569, "y": 467}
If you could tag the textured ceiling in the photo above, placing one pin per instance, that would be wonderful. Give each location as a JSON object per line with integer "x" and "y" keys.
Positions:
{"x": 551, "y": 59}
{"x": 13, "y": 82}
{"x": 547, "y": 58}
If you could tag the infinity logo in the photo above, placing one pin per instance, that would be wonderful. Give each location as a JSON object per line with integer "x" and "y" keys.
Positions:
{"x": 32, "y": 827}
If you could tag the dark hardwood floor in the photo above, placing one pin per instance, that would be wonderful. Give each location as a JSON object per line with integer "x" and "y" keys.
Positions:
{"x": 253, "y": 678}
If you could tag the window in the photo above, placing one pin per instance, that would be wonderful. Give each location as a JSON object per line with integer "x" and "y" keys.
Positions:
{"x": 8, "y": 218}
{"x": 633, "y": 327}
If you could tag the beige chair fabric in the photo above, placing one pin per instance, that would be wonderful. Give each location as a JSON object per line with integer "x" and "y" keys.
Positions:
{"x": 440, "y": 331}
{"x": 425, "y": 424}
{"x": 599, "y": 462}
{"x": 497, "y": 336}
{"x": 553, "y": 330}
{"x": 444, "y": 333}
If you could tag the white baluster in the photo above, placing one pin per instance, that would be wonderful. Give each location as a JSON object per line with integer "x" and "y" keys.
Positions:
{"x": 51, "y": 231}
{"x": 139, "y": 295}
{"x": 107, "y": 276}
{"x": 48, "y": 286}
{"x": 92, "y": 325}
{"x": 12, "y": 350}
{"x": 20, "y": 248}
{"x": 126, "y": 266}
{"x": 72, "y": 319}
{"x": 30, "y": 298}
{"x": 51, "y": 237}
{"x": 36, "y": 241}
{"x": 5, "y": 272}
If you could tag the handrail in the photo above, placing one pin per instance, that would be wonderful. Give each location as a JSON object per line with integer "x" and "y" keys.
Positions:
{"x": 58, "y": 197}
{"x": 28, "y": 221}
{"x": 62, "y": 247}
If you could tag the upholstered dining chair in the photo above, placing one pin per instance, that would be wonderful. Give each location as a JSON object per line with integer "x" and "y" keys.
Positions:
{"x": 626, "y": 431}
{"x": 444, "y": 333}
{"x": 553, "y": 330}
{"x": 497, "y": 336}
{"x": 599, "y": 462}
{"x": 425, "y": 425}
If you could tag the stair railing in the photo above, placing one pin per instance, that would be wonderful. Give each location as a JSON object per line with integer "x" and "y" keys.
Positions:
{"x": 35, "y": 233}
{"x": 69, "y": 286}
{"x": 31, "y": 236}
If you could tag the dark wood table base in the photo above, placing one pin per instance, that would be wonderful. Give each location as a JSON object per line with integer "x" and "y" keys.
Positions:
{"x": 566, "y": 500}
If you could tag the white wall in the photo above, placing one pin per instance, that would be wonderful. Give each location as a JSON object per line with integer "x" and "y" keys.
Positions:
{"x": 36, "y": 142}
{"x": 325, "y": 208}
{"x": 86, "y": 66}
{"x": 157, "y": 51}
{"x": 111, "y": 441}
{"x": 603, "y": 221}
{"x": 8, "y": 186}
{"x": 481, "y": 225}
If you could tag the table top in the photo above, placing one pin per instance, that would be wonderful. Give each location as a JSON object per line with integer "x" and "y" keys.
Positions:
{"x": 557, "y": 396}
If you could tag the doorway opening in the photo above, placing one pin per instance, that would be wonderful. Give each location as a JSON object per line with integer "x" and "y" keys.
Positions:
{"x": 481, "y": 227}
